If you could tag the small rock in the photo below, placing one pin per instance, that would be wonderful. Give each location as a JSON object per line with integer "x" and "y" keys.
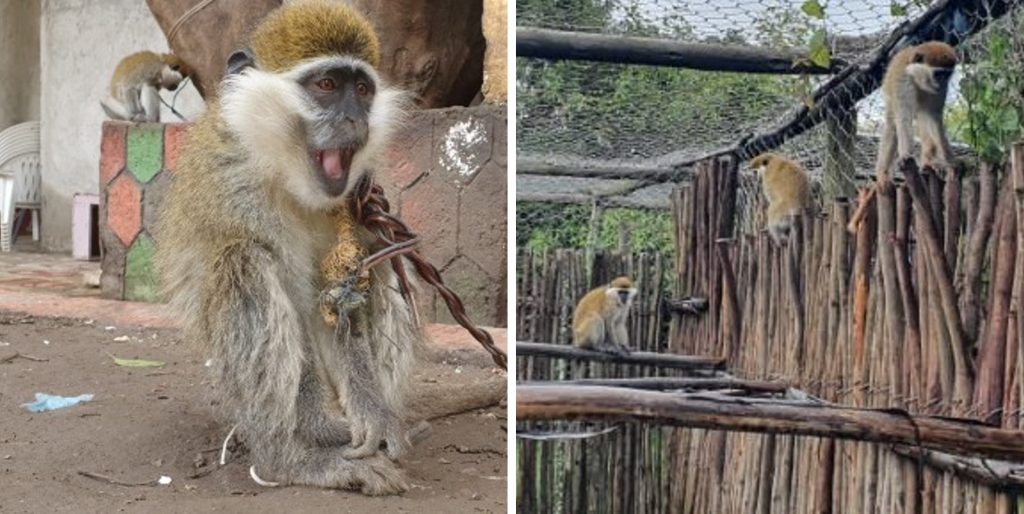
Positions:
{"x": 199, "y": 461}
{"x": 121, "y": 339}
{"x": 157, "y": 463}
{"x": 443, "y": 460}
{"x": 191, "y": 487}
{"x": 164, "y": 480}
{"x": 475, "y": 497}
{"x": 7, "y": 457}
{"x": 46, "y": 341}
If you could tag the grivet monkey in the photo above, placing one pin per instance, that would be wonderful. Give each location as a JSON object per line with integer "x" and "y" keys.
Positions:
{"x": 914, "y": 88}
{"x": 787, "y": 189}
{"x": 599, "y": 321}
{"x": 135, "y": 86}
{"x": 300, "y": 118}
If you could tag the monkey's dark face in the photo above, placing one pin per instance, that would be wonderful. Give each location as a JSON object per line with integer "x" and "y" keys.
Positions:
{"x": 623, "y": 296}
{"x": 932, "y": 77}
{"x": 343, "y": 95}
{"x": 315, "y": 128}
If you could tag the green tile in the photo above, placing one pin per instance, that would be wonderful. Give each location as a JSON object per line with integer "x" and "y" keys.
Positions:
{"x": 145, "y": 150}
{"x": 140, "y": 279}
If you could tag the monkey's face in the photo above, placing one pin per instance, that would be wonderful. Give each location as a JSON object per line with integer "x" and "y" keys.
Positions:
{"x": 170, "y": 76}
{"x": 622, "y": 292}
{"x": 343, "y": 94}
{"x": 932, "y": 67}
{"x": 315, "y": 128}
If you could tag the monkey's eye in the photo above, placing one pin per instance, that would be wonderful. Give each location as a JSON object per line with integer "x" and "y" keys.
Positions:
{"x": 326, "y": 84}
{"x": 362, "y": 89}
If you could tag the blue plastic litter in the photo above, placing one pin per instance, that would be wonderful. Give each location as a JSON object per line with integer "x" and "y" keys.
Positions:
{"x": 47, "y": 402}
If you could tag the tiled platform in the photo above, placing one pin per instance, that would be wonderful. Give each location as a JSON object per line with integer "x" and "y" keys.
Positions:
{"x": 41, "y": 284}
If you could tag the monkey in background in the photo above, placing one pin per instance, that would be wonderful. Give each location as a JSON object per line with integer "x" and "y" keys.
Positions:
{"x": 788, "y": 191}
{"x": 135, "y": 86}
{"x": 301, "y": 117}
{"x": 914, "y": 88}
{"x": 599, "y": 321}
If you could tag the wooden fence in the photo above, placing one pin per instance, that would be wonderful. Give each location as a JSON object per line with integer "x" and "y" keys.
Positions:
{"x": 919, "y": 310}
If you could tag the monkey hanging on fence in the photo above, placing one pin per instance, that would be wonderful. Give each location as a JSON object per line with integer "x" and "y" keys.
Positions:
{"x": 915, "y": 87}
{"x": 599, "y": 321}
{"x": 250, "y": 225}
{"x": 135, "y": 86}
{"x": 787, "y": 189}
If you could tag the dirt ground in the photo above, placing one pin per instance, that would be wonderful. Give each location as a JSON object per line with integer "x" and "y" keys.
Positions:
{"x": 144, "y": 423}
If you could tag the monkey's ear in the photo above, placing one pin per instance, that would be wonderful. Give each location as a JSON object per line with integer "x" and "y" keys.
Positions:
{"x": 238, "y": 61}
{"x": 918, "y": 57}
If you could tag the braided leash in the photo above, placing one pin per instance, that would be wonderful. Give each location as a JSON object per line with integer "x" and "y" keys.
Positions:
{"x": 373, "y": 211}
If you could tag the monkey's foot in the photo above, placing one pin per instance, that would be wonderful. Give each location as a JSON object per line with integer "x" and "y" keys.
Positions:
{"x": 904, "y": 163}
{"x": 618, "y": 350}
{"x": 373, "y": 476}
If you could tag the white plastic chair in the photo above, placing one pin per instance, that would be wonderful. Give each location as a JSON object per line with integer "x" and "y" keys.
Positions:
{"x": 20, "y": 179}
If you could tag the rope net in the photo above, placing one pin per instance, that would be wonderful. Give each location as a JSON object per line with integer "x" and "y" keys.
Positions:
{"x": 579, "y": 114}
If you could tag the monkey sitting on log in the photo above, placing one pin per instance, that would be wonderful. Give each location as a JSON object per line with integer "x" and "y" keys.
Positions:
{"x": 599, "y": 321}
{"x": 251, "y": 216}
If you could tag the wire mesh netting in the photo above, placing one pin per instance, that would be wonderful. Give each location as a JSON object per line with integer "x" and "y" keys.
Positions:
{"x": 652, "y": 123}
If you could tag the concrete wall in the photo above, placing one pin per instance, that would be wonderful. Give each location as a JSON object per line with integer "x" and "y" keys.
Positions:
{"x": 82, "y": 42}
{"x": 19, "y": 61}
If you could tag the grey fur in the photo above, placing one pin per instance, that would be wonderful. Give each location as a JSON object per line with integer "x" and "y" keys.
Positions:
{"x": 239, "y": 254}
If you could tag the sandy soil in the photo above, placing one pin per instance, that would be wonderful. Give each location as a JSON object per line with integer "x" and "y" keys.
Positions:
{"x": 145, "y": 423}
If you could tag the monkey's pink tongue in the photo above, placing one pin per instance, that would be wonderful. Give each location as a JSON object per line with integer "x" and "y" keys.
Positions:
{"x": 335, "y": 163}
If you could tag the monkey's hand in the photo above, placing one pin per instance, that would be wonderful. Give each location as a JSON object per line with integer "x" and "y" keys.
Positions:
{"x": 343, "y": 296}
{"x": 372, "y": 427}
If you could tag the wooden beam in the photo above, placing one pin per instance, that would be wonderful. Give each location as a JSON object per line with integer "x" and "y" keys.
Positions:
{"x": 581, "y": 46}
{"x": 591, "y": 168}
{"x": 660, "y": 360}
{"x": 720, "y": 412}
{"x": 676, "y": 383}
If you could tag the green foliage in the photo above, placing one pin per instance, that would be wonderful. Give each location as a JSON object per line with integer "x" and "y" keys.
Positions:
{"x": 819, "y": 54}
{"x": 990, "y": 116}
{"x": 547, "y": 227}
{"x": 813, "y": 9}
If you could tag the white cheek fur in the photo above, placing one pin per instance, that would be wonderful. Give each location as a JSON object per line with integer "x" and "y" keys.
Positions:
{"x": 269, "y": 114}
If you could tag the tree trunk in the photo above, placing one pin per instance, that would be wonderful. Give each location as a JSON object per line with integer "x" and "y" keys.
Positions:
{"x": 434, "y": 49}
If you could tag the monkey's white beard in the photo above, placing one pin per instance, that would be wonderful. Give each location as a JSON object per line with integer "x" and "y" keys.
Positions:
{"x": 269, "y": 114}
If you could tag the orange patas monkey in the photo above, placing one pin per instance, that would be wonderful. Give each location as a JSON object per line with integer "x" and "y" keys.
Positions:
{"x": 135, "y": 86}
{"x": 915, "y": 87}
{"x": 788, "y": 191}
{"x": 599, "y": 321}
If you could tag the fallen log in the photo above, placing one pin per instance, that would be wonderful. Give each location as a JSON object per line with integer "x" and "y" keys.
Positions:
{"x": 721, "y": 412}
